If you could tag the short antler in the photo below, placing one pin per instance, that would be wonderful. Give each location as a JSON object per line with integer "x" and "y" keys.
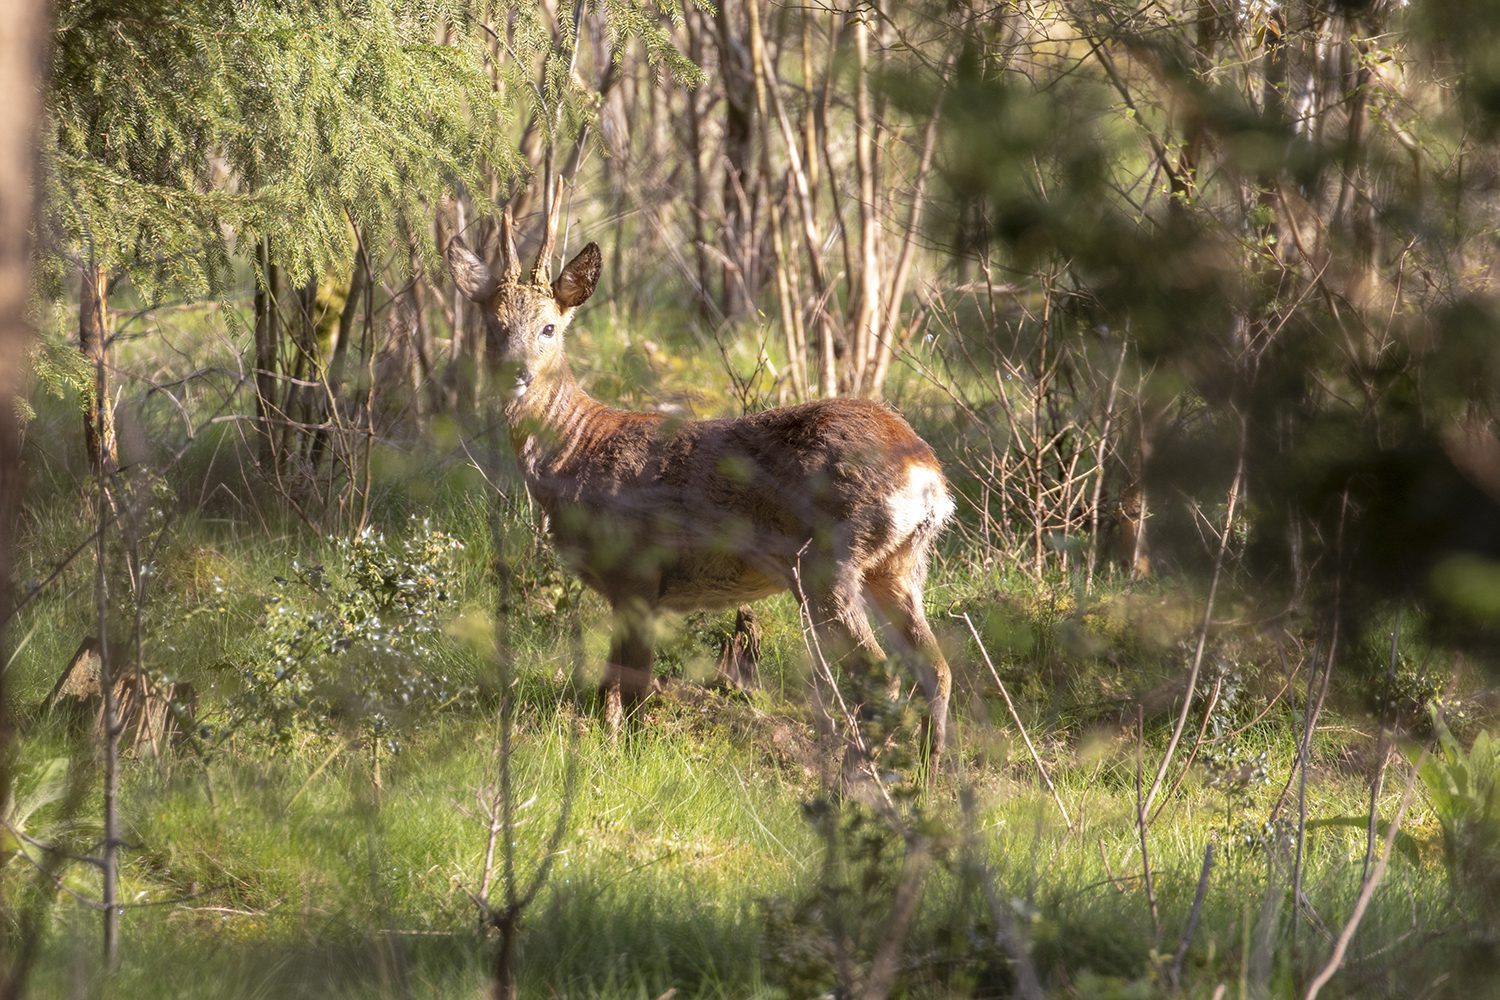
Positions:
{"x": 541, "y": 270}
{"x": 510, "y": 261}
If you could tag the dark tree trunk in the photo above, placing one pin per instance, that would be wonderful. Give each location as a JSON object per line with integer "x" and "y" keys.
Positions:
{"x": 739, "y": 128}
{"x": 699, "y": 207}
{"x": 266, "y": 410}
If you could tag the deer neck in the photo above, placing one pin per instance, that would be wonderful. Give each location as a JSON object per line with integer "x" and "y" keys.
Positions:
{"x": 546, "y": 423}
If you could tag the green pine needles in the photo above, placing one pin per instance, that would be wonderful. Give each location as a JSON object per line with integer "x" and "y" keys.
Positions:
{"x": 185, "y": 131}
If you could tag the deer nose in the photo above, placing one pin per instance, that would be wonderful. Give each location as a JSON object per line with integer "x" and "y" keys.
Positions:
{"x": 515, "y": 369}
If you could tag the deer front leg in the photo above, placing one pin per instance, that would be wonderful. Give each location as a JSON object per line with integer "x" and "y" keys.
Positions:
{"x": 627, "y": 676}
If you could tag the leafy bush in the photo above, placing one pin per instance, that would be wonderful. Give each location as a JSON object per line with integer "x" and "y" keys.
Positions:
{"x": 350, "y": 646}
{"x": 1463, "y": 787}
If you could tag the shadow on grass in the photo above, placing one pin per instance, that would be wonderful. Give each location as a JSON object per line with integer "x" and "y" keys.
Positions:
{"x": 590, "y": 939}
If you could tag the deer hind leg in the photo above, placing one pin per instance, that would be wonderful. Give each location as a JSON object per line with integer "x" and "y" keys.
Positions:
{"x": 627, "y": 675}
{"x": 897, "y": 591}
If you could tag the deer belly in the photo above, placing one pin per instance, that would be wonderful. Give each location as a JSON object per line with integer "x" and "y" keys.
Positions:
{"x": 711, "y": 583}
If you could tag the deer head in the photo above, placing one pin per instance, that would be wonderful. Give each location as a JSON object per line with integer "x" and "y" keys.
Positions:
{"x": 526, "y": 318}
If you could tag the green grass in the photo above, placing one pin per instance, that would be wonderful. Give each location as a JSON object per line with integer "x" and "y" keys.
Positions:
{"x": 688, "y": 861}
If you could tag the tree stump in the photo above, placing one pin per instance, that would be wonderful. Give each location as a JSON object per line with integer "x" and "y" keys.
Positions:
{"x": 152, "y": 715}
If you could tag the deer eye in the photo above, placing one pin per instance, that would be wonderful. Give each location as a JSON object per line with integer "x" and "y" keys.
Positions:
{"x": 547, "y": 330}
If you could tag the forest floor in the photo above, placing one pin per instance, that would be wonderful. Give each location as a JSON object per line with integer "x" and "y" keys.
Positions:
{"x": 288, "y": 850}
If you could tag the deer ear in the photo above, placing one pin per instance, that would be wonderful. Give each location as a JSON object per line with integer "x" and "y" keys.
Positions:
{"x": 470, "y": 274}
{"x": 576, "y": 283}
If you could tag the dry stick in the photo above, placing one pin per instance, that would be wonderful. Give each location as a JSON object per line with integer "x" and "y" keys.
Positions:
{"x": 1382, "y": 749}
{"x": 1028, "y": 984}
{"x": 822, "y": 675}
{"x": 1312, "y": 705}
{"x": 1104, "y": 429}
{"x": 1007, "y": 935}
{"x": 1187, "y": 765}
{"x": 883, "y": 970}
{"x": 888, "y": 339}
{"x": 130, "y": 532}
{"x": 767, "y": 90}
{"x": 1271, "y": 703}
{"x": 1034, "y": 470}
{"x": 1016, "y": 718}
{"x": 492, "y": 836}
{"x": 1208, "y": 614}
{"x": 867, "y": 297}
{"x": 505, "y": 920}
{"x": 790, "y": 317}
{"x": 1341, "y": 946}
{"x": 1313, "y": 710}
{"x": 1304, "y": 751}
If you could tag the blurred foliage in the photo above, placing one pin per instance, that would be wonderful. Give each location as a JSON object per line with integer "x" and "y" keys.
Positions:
{"x": 60, "y": 371}
{"x": 34, "y": 789}
{"x": 1289, "y": 219}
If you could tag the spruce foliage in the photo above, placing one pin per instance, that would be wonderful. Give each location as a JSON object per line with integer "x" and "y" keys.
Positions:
{"x": 184, "y": 131}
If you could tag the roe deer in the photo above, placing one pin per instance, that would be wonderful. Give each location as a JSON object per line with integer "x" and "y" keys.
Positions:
{"x": 837, "y": 500}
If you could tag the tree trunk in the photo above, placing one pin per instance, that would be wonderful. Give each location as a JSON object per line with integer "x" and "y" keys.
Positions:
{"x": 24, "y": 31}
{"x": 699, "y": 206}
{"x": 739, "y": 276}
{"x": 299, "y": 395}
{"x": 333, "y": 378}
{"x": 93, "y": 341}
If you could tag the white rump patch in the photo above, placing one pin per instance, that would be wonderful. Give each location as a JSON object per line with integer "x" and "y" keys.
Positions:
{"x": 921, "y": 504}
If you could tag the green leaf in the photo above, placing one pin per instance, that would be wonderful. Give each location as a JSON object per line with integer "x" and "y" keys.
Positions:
{"x": 1405, "y": 843}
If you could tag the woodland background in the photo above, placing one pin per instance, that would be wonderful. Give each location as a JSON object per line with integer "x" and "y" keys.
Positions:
{"x": 1196, "y": 302}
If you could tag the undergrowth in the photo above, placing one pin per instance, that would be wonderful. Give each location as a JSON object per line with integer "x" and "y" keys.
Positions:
{"x": 322, "y": 831}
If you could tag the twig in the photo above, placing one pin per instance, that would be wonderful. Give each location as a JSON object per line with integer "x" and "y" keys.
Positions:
{"x": 1382, "y": 748}
{"x": 1193, "y": 914}
{"x": 1341, "y": 946}
{"x": 1140, "y": 829}
{"x": 1208, "y": 613}
{"x": 1016, "y": 718}
{"x": 882, "y": 976}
